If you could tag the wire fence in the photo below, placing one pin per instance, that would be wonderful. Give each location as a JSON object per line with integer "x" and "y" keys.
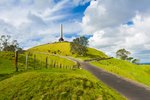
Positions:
{"x": 32, "y": 61}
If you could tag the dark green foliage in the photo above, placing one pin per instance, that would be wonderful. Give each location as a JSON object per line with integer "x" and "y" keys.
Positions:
{"x": 135, "y": 61}
{"x": 7, "y": 55}
{"x": 79, "y": 46}
{"x": 10, "y": 48}
{"x": 130, "y": 59}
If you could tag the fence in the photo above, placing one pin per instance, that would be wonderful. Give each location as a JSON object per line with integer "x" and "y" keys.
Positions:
{"x": 42, "y": 60}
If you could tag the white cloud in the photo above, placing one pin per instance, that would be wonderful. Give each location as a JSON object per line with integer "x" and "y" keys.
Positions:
{"x": 106, "y": 20}
{"x": 34, "y": 22}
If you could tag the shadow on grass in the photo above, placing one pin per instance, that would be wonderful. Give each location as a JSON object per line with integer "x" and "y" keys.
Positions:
{"x": 4, "y": 76}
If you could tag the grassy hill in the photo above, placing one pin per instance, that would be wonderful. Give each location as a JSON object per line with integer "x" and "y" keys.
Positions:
{"x": 125, "y": 69}
{"x": 79, "y": 83}
{"x": 140, "y": 73}
{"x": 63, "y": 48}
{"x": 59, "y": 84}
{"x": 50, "y": 83}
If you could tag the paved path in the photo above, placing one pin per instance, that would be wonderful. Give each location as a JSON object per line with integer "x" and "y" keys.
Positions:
{"x": 131, "y": 90}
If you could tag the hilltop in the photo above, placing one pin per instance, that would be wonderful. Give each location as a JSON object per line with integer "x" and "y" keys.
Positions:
{"x": 63, "y": 48}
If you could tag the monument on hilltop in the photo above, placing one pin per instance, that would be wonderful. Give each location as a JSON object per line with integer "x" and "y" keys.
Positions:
{"x": 61, "y": 34}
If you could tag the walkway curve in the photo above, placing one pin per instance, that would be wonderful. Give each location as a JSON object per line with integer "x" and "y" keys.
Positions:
{"x": 130, "y": 89}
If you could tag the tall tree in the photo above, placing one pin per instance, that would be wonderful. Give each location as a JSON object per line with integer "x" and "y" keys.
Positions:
{"x": 79, "y": 46}
{"x": 122, "y": 54}
{"x": 7, "y": 45}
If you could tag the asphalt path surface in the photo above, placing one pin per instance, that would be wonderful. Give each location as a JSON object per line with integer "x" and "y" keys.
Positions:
{"x": 130, "y": 89}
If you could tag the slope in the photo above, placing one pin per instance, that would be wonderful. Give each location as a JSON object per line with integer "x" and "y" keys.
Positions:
{"x": 139, "y": 73}
{"x": 56, "y": 84}
{"x": 120, "y": 67}
{"x": 63, "y": 48}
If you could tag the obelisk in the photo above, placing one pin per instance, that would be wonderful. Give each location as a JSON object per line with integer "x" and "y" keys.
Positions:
{"x": 61, "y": 33}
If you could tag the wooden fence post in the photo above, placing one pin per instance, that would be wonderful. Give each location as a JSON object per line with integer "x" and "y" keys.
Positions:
{"x": 60, "y": 65}
{"x": 26, "y": 62}
{"x": 46, "y": 61}
{"x": 34, "y": 61}
{"x": 16, "y": 60}
{"x": 54, "y": 64}
{"x": 78, "y": 65}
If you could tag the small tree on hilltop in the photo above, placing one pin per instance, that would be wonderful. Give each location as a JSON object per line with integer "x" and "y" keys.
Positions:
{"x": 79, "y": 46}
{"x": 122, "y": 54}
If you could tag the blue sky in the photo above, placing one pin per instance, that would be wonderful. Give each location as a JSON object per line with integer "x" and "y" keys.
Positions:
{"x": 108, "y": 24}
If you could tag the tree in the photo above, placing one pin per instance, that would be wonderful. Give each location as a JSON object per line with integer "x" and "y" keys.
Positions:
{"x": 135, "y": 61}
{"x": 122, "y": 54}
{"x": 7, "y": 45}
{"x": 4, "y": 41}
{"x": 79, "y": 46}
{"x": 130, "y": 59}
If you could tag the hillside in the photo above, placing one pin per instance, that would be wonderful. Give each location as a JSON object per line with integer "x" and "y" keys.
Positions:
{"x": 139, "y": 73}
{"x": 49, "y": 83}
{"x": 119, "y": 67}
{"x": 57, "y": 84}
{"x": 63, "y": 48}
{"x": 48, "y": 80}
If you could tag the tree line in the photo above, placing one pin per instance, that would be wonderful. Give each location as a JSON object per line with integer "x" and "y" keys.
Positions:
{"x": 79, "y": 47}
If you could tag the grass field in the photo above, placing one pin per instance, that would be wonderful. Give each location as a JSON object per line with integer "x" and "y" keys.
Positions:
{"x": 5, "y": 66}
{"x": 58, "y": 84}
{"x": 140, "y": 73}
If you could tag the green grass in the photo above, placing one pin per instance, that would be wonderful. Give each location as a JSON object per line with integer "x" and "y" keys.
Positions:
{"x": 125, "y": 69}
{"x": 56, "y": 84}
{"x": 51, "y": 83}
{"x": 6, "y": 66}
{"x": 63, "y": 48}
{"x": 54, "y": 58}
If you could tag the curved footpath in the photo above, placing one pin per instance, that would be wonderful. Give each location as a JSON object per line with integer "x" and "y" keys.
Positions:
{"x": 130, "y": 89}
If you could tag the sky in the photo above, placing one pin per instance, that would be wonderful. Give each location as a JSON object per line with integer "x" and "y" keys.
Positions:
{"x": 109, "y": 24}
